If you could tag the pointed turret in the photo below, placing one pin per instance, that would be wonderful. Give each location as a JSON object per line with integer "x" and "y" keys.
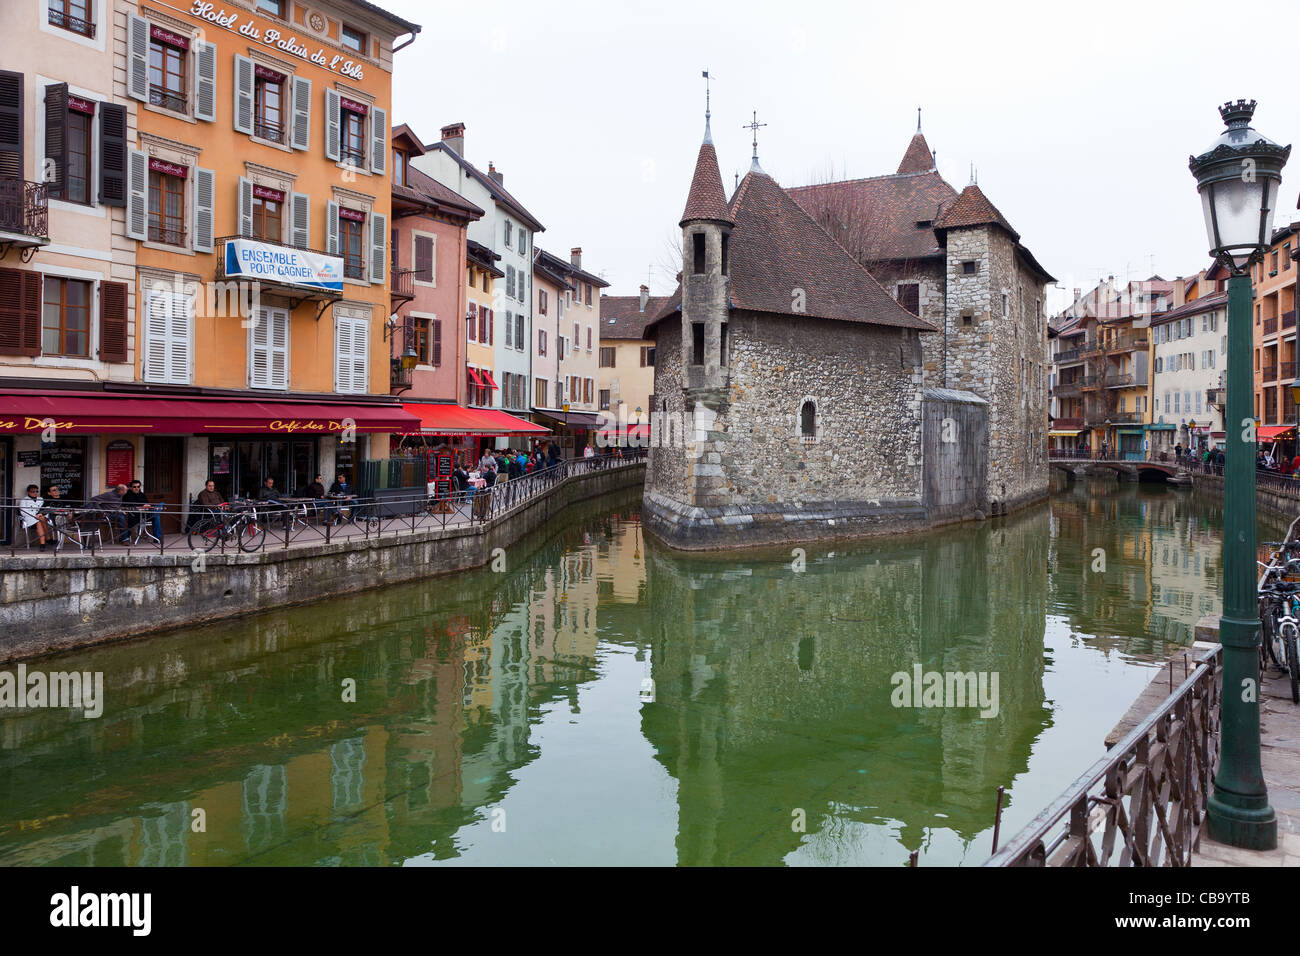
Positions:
{"x": 706, "y": 201}
{"x": 918, "y": 158}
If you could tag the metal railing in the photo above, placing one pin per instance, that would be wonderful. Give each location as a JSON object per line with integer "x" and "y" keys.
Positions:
{"x": 265, "y": 129}
{"x": 1069, "y": 355}
{"x": 402, "y": 284}
{"x": 95, "y": 528}
{"x": 1144, "y": 803}
{"x": 76, "y": 24}
{"x": 24, "y": 208}
{"x": 1288, "y": 319}
{"x": 166, "y": 235}
{"x": 167, "y": 99}
{"x": 1270, "y": 325}
{"x": 1268, "y": 373}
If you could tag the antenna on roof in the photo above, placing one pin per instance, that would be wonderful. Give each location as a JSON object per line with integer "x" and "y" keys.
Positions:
{"x": 918, "y": 119}
{"x": 708, "y": 134}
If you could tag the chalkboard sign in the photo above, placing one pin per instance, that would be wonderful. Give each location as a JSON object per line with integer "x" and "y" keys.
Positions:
{"x": 444, "y": 488}
{"x": 444, "y": 466}
{"x": 29, "y": 459}
{"x": 63, "y": 463}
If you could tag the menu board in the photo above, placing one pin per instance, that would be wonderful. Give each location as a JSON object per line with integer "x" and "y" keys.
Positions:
{"x": 444, "y": 466}
{"x": 119, "y": 463}
{"x": 29, "y": 459}
{"x": 63, "y": 463}
{"x": 443, "y": 488}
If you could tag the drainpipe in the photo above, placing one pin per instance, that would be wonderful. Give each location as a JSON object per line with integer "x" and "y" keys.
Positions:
{"x": 405, "y": 43}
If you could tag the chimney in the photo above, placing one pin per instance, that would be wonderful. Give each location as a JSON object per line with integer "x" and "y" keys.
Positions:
{"x": 1180, "y": 292}
{"x": 1077, "y": 293}
{"x": 454, "y": 137}
{"x": 492, "y": 172}
{"x": 575, "y": 257}
{"x": 645, "y": 296}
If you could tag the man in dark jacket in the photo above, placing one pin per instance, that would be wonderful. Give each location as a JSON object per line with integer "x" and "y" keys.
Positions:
{"x": 135, "y": 505}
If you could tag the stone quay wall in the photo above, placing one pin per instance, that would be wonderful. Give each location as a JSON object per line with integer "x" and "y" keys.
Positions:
{"x": 53, "y": 603}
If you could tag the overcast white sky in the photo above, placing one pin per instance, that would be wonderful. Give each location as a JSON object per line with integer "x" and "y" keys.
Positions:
{"x": 1079, "y": 118}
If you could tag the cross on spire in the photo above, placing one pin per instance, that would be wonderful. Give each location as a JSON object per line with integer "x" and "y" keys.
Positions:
{"x": 755, "y": 125}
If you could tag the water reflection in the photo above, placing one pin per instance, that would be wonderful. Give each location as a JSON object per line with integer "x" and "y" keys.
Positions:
{"x": 512, "y": 698}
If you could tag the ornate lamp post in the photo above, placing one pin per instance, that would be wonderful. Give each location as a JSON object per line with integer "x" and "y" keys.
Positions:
{"x": 1238, "y": 179}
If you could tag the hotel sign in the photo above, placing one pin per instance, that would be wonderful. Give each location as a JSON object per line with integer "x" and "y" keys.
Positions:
{"x": 274, "y": 38}
{"x": 250, "y": 259}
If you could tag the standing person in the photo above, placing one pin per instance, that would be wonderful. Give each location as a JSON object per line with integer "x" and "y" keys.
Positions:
{"x": 29, "y": 511}
{"x": 138, "y": 504}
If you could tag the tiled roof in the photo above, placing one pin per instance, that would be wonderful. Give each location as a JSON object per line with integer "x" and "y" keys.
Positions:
{"x": 777, "y": 248}
{"x": 621, "y": 316}
{"x": 706, "y": 199}
{"x": 494, "y": 188}
{"x": 885, "y": 209}
{"x": 422, "y": 187}
{"x": 568, "y": 270}
{"x": 918, "y": 158}
{"x": 1215, "y": 300}
{"x": 972, "y": 208}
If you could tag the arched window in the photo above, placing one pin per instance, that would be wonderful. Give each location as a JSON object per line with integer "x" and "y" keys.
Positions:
{"x": 808, "y": 420}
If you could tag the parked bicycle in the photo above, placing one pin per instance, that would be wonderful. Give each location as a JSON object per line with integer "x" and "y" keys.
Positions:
{"x": 1280, "y": 622}
{"x": 241, "y": 525}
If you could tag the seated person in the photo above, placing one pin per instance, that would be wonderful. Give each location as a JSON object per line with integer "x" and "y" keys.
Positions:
{"x": 134, "y": 506}
{"x": 29, "y": 512}
{"x": 316, "y": 490}
{"x": 109, "y": 504}
{"x": 207, "y": 503}
{"x": 341, "y": 489}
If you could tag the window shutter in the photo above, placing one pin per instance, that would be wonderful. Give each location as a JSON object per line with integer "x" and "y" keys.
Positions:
{"x": 300, "y": 209}
{"x": 112, "y": 321}
{"x": 342, "y": 354}
{"x": 157, "y": 307}
{"x": 56, "y": 138}
{"x": 471, "y": 321}
{"x": 20, "y": 312}
{"x": 491, "y": 325}
{"x": 243, "y": 94}
{"x": 137, "y": 54}
{"x": 257, "y": 350}
{"x": 332, "y": 106}
{"x": 519, "y": 331}
{"x": 178, "y": 340}
{"x": 279, "y": 348}
{"x": 360, "y": 354}
{"x": 245, "y": 207}
{"x": 301, "y": 113}
{"x": 332, "y": 228}
{"x": 378, "y": 140}
{"x": 112, "y": 154}
{"x": 137, "y": 190}
{"x": 424, "y": 258}
{"x": 510, "y": 326}
{"x": 204, "y": 200}
{"x": 435, "y": 341}
{"x": 205, "y": 99}
{"x": 378, "y": 246}
{"x": 11, "y": 124}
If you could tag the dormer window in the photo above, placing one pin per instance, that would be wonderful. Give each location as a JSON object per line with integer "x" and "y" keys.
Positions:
{"x": 399, "y": 173}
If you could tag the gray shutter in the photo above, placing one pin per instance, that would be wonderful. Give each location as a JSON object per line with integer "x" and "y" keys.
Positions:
{"x": 245, "y": 207}
{"x": 332, "y": 228}
{"x": 332, "y": 107}
{"x": 205, "y": 185}
{"x": 112, "y": 154}
{"x": 137, "y": 193}
{"x": 378, "y": 246}
{"x": 300, "y": 215}
{"x": 56, "y": 138}
{"x": 378, "y": 140}
{"x": 243, "y": 94}
{"x": 137, "y": 72}
{"x": 205, "y": 58}
{"x": 301, "y": 113}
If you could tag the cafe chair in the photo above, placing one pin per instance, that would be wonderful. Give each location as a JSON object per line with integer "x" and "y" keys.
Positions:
{"x": 77, "y": 526}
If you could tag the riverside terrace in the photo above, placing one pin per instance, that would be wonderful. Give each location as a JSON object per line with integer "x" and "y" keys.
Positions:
{"x": 253, "y": 526}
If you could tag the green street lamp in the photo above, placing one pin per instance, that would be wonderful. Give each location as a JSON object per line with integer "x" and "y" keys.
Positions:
{"x": 1238, "y": 179}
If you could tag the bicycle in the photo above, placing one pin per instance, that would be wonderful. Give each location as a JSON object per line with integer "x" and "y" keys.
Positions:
{"x": 242, "y": 526}
{"x": 351, "y": 511}
{"x": 1280, "y": 622}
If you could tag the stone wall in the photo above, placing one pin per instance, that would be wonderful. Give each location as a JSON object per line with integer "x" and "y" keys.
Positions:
{"x": 53, "y": 603}
{"x": 929, "y": 276}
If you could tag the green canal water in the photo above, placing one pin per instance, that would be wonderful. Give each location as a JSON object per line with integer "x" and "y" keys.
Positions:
{"x": 498, "y": 715}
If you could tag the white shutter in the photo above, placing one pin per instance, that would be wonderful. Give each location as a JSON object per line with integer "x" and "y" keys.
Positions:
{"x": 243, "y": 94}
{"x": 156, "y": 310}
{"x": 300, "y": 214}
{"x": 137, "y": 71}
{"x": 257, "y": 351}
{"x": 378, "y": 246}
{"x": 245, "y": 206}
{"x": 268, "y": 349}
{"x": 204, "y": 200}
{"x": 279, "y": 347}
{"x": 137, "y": 193}
{"x": 378, "y": 140}
{"x": 301, "y": 112}
{"x": 351, "y": 354}
{"x": 332, "y": 107}
{"x": 205, "y": 57}
{"x": 332, "y": 228}
{"x": 178, "y": 340}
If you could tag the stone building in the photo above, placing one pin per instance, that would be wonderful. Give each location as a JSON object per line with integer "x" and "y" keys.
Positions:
{"x": 808, "y": 401}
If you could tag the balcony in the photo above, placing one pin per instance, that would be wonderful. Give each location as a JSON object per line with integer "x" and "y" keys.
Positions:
{"x": 1288, "y": 319}
{"x": 271, "y": 132}
{"x": 1268, "y": 373}
{"x": 1286, "y": 371}
{"x": 402, "y": 288}
{"x": 400, "y": 379}
{"x": 296, "y": 272}
{"x": 24, "y": 216}
{"x": 173, "y": 235}
{"x": 1069, "y": 355}
{"x": 1065, "y": 389}
{"x": 1067, "y": 423}
{"x": 1216, "y": 396}
{"x": 167, "y": 99}
{"x": 1270, "y": 326}
{"x": 85, "y": 28}
{"x": 1123, "y": 342}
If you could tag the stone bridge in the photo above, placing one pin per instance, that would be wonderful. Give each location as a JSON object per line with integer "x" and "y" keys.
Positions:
{"x": 1122, "y": 469}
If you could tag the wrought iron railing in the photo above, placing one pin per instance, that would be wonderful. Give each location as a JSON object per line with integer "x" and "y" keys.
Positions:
{"x": 1069, "y": 355}
{"x": 24, "y": 208}
{"x": 1268, "y": 373}
{"x": 1270, "y": 325}
{"x": 264, "y": 129}
{"x": 400, "y": 379}
{"x": 167, "y": 99}
{"x": 354, "y": 267}
{"x": 76, "y": 24}
{"x": 1144, "y": 803}
{"x": 352, "y": 157}
{"x": 402, "y": 284}
{"x": 169, "y": 235}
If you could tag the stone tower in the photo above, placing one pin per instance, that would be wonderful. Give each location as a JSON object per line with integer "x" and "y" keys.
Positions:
{"x": 706, "y": 235}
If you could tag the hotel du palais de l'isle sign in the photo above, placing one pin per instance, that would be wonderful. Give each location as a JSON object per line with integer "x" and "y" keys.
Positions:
{"x": 273, "y": 37}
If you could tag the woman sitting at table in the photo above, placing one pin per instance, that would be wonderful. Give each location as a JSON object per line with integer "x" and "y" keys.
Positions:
{"x": 29, "y": 512}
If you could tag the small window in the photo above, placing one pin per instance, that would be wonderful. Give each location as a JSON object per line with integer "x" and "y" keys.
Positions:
{"x": 647, "y": 356}
{"x": 909, "y": 297}
{"x": 722, "y": 342}
{"x": 65, "y": 320}
{"x": 604, "y": 399}
{"x": 808, "y": 420}
{"x": 967, "y": 319}
{"x": 698, "y": 240}
{"x": 166, "y": 208}
{"x": 697, "y": 343}
{"x": 725, "y": 243}
{"x": 399, "y": 179}
{"x": 73, "y": 15}
{"x": 970, "y": 267}
{"x": 1005, "y": 305}
{"x": 166, "y": 76}
{"x": 606, "y": 356}
{"x": 274, "y": 7}
{"x": 353, "y": 39}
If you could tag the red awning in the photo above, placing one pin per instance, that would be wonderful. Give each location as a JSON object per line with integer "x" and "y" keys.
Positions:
{"x": 632, "y": 431}
{"x": 25, "y": 412}
{"x": 488, "y": 380}
{"x": 475, "y": 377}
{"x": 1270, "y": 432}
{"x": 448, "y": 419}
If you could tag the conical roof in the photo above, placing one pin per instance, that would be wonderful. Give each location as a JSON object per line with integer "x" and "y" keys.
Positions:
{"x": 918, "y": 158}
{"x": 972, "y": 208}
{"x": 706, "y": 200}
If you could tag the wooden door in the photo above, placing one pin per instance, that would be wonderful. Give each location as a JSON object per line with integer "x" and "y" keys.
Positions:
{"x": 164, "y": 459}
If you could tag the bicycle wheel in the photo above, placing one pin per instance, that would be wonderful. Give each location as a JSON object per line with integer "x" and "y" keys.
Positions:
{"x": 251, "y": 535}
{"x": 204, "y": 535}
{"x": 1292, "y": 662}
{"x": 1270, "y": 644}
{"x": 370, "y": 523}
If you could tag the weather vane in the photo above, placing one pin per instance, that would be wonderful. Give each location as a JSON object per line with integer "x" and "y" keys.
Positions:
{"x": 754, "y": 125}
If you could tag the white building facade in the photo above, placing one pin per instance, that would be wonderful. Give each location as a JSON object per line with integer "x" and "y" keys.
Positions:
{"x": 1189, "y": 346}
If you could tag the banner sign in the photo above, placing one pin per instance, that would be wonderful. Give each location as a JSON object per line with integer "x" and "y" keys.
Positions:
{"x": 352, "y": 106}
{"x": 171, "y": 39}
{"x": 352, "y": 214}
{"x": 262, "y": 192}
{"x": 250, "y": 259}
{"x": 171, "y": 169}
{"x": 271, "y": 36}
